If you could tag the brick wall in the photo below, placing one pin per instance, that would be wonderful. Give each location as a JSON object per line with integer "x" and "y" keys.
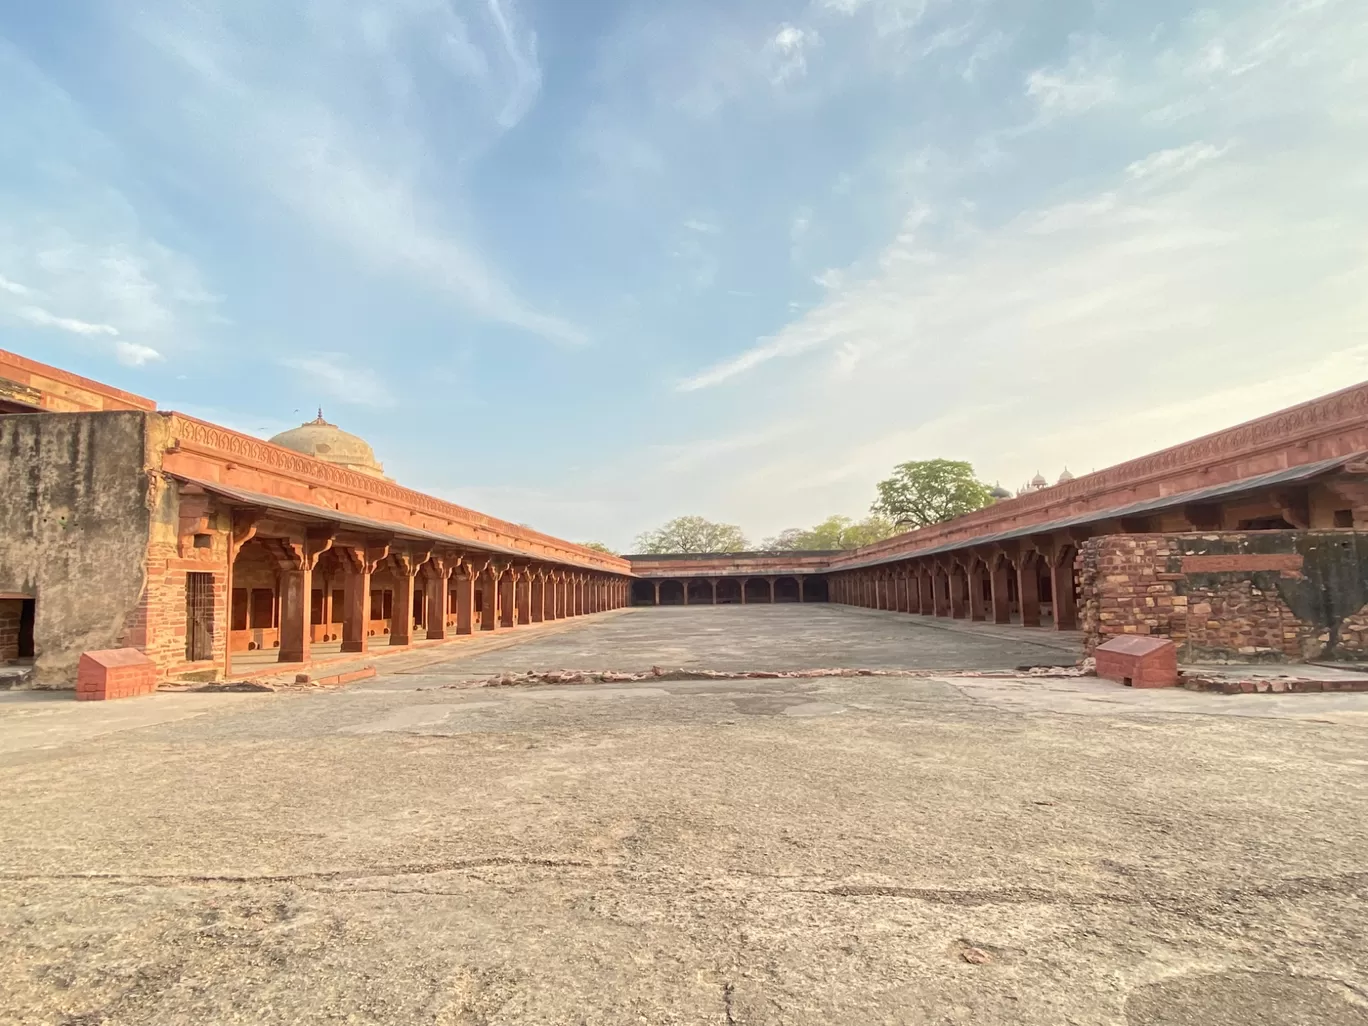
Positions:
{"x": 1271, "y": 596}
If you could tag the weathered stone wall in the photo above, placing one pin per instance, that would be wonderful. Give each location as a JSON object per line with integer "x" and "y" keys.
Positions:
{"x": 74, "y": 524}
{"x": 1252, "y": 596}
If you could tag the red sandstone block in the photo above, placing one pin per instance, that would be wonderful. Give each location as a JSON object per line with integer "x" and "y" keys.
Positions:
{"x": 1141, "y": 661}
{"x": 114, "y": 673}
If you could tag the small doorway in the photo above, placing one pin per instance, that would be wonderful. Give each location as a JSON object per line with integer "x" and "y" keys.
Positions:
{"x": 199, "y": 617}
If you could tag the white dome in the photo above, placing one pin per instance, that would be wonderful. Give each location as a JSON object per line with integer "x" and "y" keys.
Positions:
{"x": 327, "y": 442}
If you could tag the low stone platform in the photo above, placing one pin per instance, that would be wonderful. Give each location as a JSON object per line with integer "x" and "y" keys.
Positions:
{"x": 1274, "y": 680}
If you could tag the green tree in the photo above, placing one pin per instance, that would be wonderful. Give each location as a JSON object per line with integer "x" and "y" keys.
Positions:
{"x": 926, "y": 492}
{"x": 836, "y": 532}
{"x": 692, "y": 534}
{"x": 598, "y": 547}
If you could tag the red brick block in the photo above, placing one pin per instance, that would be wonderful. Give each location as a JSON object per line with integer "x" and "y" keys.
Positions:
{"x": 1138, "y": 661}
{"x": 114, "y": 673}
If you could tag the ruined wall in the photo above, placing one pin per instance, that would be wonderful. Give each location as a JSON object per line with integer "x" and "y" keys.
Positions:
{"x": 1256, "y": 596}
{"x": 74, "y": 524}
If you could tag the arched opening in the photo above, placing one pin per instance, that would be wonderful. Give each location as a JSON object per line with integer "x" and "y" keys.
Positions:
{"x": 700, "y": 592}
{"x": 671, "y": 593}
{"x": 328, "y": 602}
{"x": 643, "y": 593}
{"x": 757, "y": 590}
{"x": 254, "y": 605}
{"x": 728, "y": 591}
{"x": 815, "y": 589}
{"x": 786, "y": 590}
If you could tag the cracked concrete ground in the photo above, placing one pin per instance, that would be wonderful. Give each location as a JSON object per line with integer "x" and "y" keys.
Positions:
{"x": 748, "y": 851}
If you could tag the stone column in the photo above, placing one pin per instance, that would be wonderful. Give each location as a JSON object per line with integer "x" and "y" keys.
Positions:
{"x": 298, "y": 559}
{"x": 439, "y": 580}
{"x": 539, "y": 597}
{"x": 978, "y": 605}
{"x": 508, "y": 602}
{"x": 489, "y": 598}
{"x": 464, "y": 584}
{"x": 771, "y": 587}
{"x": 713, "y": 582}
{"x": 405, "y": 568}
{"x": 657, "y": 592}
{"x": 1028, "y": 589}
{"x": 940, "y": 587}
{"x": 358, "y": 565}
{"x": 296, "y": 593}
{"x": 802, "y": 589}
{"x": 522, "y": 587}
{"x": 1062, "y": 587}
{"x": 959, "y": 592}
{"x": 743, "y": 589}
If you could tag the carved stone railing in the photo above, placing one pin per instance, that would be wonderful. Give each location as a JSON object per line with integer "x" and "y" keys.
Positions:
{"x": 232, "y": 446}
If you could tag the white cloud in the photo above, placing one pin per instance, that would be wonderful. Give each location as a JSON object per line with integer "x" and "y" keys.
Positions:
{"x": 702, "y": 227}
{"x": 520, "y": 49}
{"x": 289, "y": 119}
{"x": 1088, "y": 79}
{"x": 341, "y": 377}
{"x": 785, "y": 55}
{"x": 134, "y": 354}
{"x": 1176, "y": 161}
{"x": 1166, "y": 295}
{"x": 86, "y": 260}
{"x": 36, "y": 315}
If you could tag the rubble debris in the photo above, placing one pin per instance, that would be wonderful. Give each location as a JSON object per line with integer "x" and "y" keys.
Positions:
{"x": 658, "y": 673}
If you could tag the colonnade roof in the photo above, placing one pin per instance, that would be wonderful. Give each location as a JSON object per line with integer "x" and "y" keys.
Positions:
{"x": 1232, "y": 489}
{"x": 276, "y": 504}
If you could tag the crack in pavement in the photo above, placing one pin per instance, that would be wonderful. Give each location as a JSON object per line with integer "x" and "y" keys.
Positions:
{"x": 417, "y": 869}
{"x": 1179, "y": 904}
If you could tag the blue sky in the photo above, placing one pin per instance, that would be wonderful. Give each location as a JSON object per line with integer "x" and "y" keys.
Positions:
{"x": 591, "y": 265}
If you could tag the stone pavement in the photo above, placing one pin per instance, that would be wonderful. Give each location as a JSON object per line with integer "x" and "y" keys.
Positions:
{"x": 832, "y": 850}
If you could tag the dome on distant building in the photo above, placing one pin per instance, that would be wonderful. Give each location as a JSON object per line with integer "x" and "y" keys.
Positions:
{"x": 1038, "y": 482}
{"x": 998, "y": 493}
{"x": 327, "y": 442}
{"x": 1065, "y": 477}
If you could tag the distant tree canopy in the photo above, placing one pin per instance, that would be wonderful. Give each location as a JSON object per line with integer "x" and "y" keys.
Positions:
{"x": 692, "y": 534}
{"x": 835, "y": 532}
{"x": 926, "y": 492}
{"x": 598, "y": 547}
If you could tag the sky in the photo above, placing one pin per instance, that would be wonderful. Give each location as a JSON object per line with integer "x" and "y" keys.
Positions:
{"x": 592, "y": 265}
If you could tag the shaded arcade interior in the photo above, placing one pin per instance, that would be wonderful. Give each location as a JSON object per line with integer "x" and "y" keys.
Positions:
{"x": 730, "y": 590}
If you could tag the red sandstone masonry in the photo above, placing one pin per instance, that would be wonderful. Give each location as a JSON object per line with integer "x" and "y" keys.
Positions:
{"x": 1334, "y": 425}
{"x": 63, "y": 392}
{"x": 114, "y": 673}
{"x": 1138, "y": 662}
{"x": 1217, "y": 610}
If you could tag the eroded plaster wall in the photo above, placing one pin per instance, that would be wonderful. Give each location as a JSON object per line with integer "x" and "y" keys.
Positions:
{"x": 1245, "y": 596}
{"x": 74, "y": 527}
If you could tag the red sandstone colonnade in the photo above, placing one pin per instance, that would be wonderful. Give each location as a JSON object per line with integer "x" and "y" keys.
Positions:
{"x": 292, "y": 585}
{"x": 1021, "y": 582}
{"x": 731, "y": 589}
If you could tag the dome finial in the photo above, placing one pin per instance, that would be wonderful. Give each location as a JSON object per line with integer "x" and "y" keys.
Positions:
{"x": 320, "y": 419}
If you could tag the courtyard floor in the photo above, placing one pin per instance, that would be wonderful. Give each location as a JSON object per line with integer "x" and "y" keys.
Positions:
{"x": 892, "y": 849}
